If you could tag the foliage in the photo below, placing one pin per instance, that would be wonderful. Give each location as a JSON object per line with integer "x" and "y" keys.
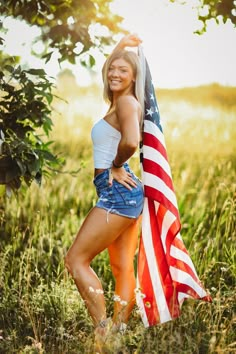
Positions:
{"x": 40, "y": 308}
{"x": 214, "y": 9}
{"x": 66, "y": 24}
{"x": 24, "y": 108}
{"x": 224, "y": 9}
{"x": 66, "y": 28}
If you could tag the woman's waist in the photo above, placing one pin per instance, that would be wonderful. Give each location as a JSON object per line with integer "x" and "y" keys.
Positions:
{"x": 97, "y": 171}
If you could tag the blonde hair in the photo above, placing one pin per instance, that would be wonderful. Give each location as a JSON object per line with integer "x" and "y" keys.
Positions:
{"x": 133, "y": 59}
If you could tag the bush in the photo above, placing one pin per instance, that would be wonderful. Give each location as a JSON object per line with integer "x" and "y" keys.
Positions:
{"x": 24, "y": 110}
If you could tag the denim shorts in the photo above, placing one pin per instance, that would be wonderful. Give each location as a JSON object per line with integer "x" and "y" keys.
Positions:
{"x": 116, "y": 198}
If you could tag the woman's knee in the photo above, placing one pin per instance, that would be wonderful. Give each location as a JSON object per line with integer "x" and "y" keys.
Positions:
{"x": 119, "y": 269}
{"x": 69, "y": 263}
{"x": 74, "y": 264}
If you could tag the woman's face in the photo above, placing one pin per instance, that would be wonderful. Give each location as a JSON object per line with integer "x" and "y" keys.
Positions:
{"x": 120, "y": 76}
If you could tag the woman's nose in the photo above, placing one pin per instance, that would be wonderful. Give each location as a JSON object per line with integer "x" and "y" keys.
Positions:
{"x": 114, "y": 73}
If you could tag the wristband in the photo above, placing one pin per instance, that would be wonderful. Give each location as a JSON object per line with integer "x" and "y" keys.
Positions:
{"x": 116, "y": 166}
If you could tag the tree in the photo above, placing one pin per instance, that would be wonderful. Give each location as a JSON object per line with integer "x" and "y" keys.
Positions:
{"x": 67, "y": 26}
{"x": 214, "y": 9}
{"x": 24, "y": 107}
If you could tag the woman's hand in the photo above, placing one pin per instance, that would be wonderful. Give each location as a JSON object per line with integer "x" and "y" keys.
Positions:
{"x": 131, "y": 40}
{"x": 122, "y": 177}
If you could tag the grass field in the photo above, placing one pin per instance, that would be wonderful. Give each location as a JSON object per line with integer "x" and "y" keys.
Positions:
{"x": 40, "y": 309}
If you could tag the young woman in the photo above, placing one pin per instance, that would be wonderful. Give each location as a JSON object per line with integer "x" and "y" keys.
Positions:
{"x": 114, "y": 222}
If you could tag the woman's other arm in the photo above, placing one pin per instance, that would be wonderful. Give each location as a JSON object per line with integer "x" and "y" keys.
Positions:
{"x": 128, "y": 113}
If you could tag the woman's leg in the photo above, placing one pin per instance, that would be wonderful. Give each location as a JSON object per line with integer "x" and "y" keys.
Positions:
{"x": 94, "y": 236}
{"x": 121, "y": 253}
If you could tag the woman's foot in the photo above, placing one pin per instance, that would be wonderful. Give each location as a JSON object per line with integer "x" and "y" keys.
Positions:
{"x": 101, "y": 335}
{"x": 108, "y": 337}
{"x": 119, "y": 327}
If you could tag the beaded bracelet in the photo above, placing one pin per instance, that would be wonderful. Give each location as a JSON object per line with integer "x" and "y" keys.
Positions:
{"x": 116, "y": 166}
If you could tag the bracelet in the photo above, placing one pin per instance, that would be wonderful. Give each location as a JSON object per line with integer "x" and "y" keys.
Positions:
{"x": 116, "y": 166}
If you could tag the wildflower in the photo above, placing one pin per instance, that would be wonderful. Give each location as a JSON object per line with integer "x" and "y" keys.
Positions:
{"x": 91, "y": 289}
{"x": 137, "y": 290}
{"x": 223, "y": 269}
{"x": 116, "y": 298}
{"x": 123, "y": 303}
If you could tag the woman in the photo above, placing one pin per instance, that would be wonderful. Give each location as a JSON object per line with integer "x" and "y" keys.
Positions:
{"x": 114, "y": 222}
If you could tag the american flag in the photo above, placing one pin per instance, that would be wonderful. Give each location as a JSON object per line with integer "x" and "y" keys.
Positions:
{"x": 166, "y": 274}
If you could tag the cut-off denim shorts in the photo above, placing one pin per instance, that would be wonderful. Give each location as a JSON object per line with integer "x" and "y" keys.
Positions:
{"x": 116, "y": 198}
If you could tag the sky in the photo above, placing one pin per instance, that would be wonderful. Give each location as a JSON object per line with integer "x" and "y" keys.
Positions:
{"x": 177, "y": 57}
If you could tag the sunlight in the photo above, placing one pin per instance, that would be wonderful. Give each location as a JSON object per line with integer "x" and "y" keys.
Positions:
{"x": 177, "y": 57}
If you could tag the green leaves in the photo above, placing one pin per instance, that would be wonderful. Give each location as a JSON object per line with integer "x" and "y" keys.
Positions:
{"x": 26, "y": 95}
{"x": 65, "y": 23}
{"x": 223, "y": 10}
{"x": 38, "y": 72}
{"x": 24, "y": 108}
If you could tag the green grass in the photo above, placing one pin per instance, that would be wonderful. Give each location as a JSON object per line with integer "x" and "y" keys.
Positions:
{"x": 40, "y": 309}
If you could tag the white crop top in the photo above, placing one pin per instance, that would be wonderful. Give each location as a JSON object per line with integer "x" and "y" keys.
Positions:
{"x": 105, "y": 140}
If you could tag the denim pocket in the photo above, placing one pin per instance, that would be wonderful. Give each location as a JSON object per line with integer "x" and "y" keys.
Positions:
{"x": 101, "y": 181}
{"x": 130, "y": 197}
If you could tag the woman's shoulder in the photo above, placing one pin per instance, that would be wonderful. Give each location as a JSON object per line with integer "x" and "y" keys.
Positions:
{"x": 127, "y": 100}
{"x": 128, "y": 105}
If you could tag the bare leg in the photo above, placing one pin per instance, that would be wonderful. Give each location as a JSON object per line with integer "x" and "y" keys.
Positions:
{"x": 121, "y": 253}
{"x": 94, "y": 236}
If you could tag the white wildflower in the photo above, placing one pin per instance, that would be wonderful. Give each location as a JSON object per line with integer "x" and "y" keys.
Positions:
{"x": 123, "y": 303}
{"x": 116, "y": 298}
{"x": 91, "y": 289}
{"x": 137, "y": 290}
{"x": 223, "y": 269}
{"x": 99, "y": 291}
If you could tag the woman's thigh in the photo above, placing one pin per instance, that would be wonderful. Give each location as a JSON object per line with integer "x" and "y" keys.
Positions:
{"x": 97, "y": 233}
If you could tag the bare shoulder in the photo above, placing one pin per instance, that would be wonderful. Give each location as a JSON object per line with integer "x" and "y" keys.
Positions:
{"x": 128, "y": 113}
{"x": 127, "y": 102}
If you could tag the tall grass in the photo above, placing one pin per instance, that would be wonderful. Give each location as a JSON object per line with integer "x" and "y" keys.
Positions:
{"x": 40, "y": 309}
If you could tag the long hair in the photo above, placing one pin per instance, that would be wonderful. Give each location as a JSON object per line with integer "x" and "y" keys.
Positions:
{"x": 133, "y": 59}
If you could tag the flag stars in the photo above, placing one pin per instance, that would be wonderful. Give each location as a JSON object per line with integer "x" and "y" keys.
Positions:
{"x": 152, "y": 97}
{"x": 150, "y": 111}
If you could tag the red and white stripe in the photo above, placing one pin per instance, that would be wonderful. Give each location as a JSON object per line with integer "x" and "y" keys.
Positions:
{"x": 166, "y": 274}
